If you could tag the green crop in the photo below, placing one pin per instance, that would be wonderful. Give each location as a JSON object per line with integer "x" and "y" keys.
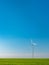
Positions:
{"x": 24, "y": 61}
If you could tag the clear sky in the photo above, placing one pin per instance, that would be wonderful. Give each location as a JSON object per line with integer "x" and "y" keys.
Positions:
{"x": 21, "y": 21}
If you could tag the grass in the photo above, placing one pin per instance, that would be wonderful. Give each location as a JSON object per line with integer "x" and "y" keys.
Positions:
{"x": 24, "y": 61}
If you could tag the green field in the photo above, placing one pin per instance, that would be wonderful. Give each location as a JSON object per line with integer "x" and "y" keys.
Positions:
{"x": 22, "y": 61}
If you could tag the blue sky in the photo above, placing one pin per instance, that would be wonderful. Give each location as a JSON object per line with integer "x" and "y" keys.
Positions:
{"x": 21, "y": 21}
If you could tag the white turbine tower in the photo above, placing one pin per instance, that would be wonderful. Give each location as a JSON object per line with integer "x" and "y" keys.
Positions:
{"x": 33, "y": 47}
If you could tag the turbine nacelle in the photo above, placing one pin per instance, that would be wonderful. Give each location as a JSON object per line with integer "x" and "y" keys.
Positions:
{"x": 33, "y": 44}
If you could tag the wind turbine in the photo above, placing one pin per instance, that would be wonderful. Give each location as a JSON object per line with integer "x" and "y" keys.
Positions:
{"x": 33, "y": 46}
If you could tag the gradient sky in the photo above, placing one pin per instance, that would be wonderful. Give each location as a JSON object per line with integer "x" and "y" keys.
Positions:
{"x": 21, "y": 21}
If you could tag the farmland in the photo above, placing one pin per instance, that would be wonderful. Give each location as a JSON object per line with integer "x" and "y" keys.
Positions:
{"x": 24, "y": 61}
